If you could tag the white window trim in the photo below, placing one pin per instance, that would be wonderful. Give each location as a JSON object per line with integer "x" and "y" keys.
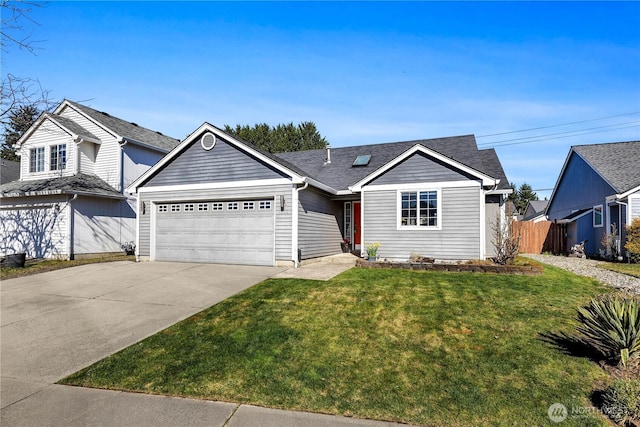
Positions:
{"x": 34, "y": 150}
{"x": 399, "y": 225}
{"x": 595, "y": 208}
{"x": 57, "y": 166}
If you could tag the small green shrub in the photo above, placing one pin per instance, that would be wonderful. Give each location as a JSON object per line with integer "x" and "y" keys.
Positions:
{"x": 611, "y": 324}
{"x": 621, "y": 401}
{"x": 633, "y": 240}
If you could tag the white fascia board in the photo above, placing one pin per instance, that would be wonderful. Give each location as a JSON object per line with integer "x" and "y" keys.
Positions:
{"x": 422, "y": 185}
{"x": 322, "y": 186}
{"x": 567, "y": 221}
{"x": 124, "y": 140}
{"x": 627, "y": 193}
{"x": 296, "y": 178}
{"x": 503, "y": 192}
{"x": 486, "y": 179}
{"x": 32, "y": 129}
{"x": 214, "y": 185}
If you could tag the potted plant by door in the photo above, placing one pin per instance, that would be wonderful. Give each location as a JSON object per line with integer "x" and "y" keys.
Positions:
{"x": 372, "y": 251}
{"x": 346, "y": 247}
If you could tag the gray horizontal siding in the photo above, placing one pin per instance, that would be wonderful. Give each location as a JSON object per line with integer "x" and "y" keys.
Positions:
{"x": 282, "y": 218}
{"x": 318, "y": 225}
{"x": 223, "y": 163}
{"x": 420, "y": 168}
{"x": 458, "y": 239}
{"x": 634, "y": 200}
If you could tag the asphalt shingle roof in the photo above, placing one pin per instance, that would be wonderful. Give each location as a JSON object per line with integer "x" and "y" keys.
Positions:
{"x": 129, "y": 130}
{"x": 70, "y": 125}
{"x": 340, "y": 174}
{"x": 9, "y": 171}
{"x": 617, "y": 162}
{"x": 76, "y": 184}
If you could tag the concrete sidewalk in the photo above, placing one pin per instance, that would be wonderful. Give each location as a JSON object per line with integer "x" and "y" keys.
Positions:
{"x": 58, "y": 405}
{"x": 324, "y": 268}
{"x": 56, "y": 323}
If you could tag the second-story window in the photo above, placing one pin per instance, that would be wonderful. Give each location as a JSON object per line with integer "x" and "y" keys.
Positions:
{"x": 36, "y": 159}
{"x": 58, "y": 157}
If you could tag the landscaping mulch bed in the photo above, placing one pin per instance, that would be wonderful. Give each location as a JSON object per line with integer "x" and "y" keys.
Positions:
{"x": 523, "y": 270}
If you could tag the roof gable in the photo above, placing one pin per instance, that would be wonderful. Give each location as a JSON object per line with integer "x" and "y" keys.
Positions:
{"x": 579, "y": 186}
{"x": 340, "y": 174}
{"x": 618, "y": 163}
{"x": 231, "y": 146}
{"x": 443, "y": 163}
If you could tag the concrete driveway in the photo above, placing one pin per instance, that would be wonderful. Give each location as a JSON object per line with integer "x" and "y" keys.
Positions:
{"x": 55, "y": 323}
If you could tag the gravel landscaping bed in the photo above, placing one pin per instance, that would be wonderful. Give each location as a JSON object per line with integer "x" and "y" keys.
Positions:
{"x": 589, "y": 268}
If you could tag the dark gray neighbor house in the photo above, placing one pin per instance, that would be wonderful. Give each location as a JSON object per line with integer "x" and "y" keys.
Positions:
{"x": 218, "y": 199}
{"x": 599, "y": 185}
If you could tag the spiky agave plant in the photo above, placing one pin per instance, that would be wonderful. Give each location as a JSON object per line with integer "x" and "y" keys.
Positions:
{"x": 611, "y": 323}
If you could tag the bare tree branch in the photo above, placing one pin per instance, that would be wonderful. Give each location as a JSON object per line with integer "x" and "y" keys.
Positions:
{"x": 12, "y": 30}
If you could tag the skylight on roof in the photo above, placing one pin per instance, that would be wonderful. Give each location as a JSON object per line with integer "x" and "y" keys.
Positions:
{"x": 362, "y": 160}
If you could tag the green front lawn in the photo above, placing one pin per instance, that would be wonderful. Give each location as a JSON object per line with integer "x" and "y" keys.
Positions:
{"x": 425, "y": 348}
{"x": 628, "y": 269}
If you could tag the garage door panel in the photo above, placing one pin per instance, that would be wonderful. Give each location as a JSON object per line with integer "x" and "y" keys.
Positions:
{"x": 242, "y": 236}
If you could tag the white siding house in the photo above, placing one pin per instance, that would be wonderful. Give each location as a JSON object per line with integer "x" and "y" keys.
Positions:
{"x": 69, "y": 199}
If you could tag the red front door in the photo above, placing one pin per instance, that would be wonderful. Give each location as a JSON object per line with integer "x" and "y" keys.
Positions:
{"x": 356, "y": 223}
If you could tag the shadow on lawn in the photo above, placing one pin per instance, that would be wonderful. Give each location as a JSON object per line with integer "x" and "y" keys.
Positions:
{"x": 572, "y": 346}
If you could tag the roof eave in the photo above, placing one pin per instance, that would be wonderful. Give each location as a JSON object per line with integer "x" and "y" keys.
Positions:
{"x": 126, "y": 140}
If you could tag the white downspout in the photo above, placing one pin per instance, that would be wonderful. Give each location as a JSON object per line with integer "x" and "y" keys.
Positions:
{"x": 294, "y": 221}
{"x": 70, "y": 226}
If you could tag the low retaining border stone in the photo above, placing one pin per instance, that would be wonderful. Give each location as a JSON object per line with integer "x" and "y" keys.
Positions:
{"x": 523, "y": 270}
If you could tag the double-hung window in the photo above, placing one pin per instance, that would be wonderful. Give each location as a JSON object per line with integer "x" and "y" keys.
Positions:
{"x": 58, "y": 157}
{"x": 36, "y": 159}
{"x": 419, "y": 209}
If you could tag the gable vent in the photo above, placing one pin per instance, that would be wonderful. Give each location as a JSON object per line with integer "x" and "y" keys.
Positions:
{"x": 208, "y": 141}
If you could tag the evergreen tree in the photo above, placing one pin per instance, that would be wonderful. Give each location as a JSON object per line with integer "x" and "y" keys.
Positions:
{"x": 525, "y": 195}
{"x": 20, "y": 120}
{"x": 281, "y": 138}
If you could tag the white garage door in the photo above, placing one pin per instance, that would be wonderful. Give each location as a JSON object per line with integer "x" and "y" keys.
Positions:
{"x": 229, "y": 231}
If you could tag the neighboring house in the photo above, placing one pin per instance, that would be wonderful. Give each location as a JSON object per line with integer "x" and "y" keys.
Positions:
{"x": 69, "y": 200}
{"x": 9, "y": 171}
{"x": 215, "y": 198}
{"x": 599, "y": 185}
{"x": 536, "y": 211}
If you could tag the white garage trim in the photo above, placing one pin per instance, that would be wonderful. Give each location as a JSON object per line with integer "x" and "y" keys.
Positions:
{"x": 214, "y": 185}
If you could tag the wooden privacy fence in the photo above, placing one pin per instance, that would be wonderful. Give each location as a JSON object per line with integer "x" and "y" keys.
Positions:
{"x": 539, "y": 237}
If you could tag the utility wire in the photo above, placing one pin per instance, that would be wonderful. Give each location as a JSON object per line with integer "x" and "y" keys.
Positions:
{"x": 553, "y": 126}
{"x": 499, "y": 143}
{"x": 562, "y": 133}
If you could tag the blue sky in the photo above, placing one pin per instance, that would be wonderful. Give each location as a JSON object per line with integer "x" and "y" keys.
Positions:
{"x": 364, "y": 72}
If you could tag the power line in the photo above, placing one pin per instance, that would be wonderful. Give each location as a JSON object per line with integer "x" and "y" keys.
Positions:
{"x": 535, "y": 137}
{"x": 553, "y": 126}
{"x": 559, "y": 137}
